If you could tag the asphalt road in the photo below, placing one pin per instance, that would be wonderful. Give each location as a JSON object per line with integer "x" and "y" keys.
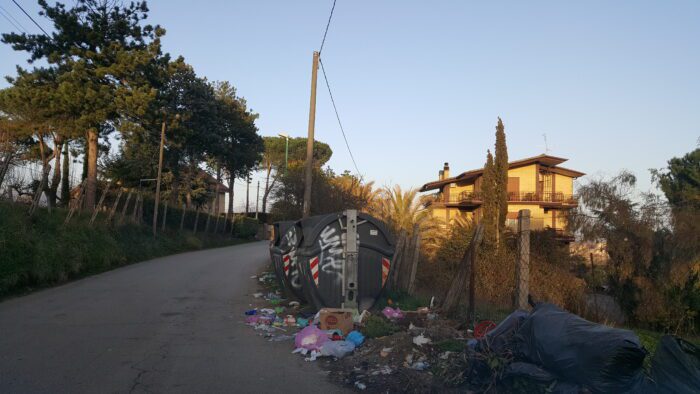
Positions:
{"x": 168, "y": 325}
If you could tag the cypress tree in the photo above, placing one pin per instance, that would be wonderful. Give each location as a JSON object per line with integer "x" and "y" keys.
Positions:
{"x": 489, "y": 209}
{"x": 501, "y": 178}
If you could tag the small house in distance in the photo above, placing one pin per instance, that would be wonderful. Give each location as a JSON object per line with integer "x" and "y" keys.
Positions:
{"x": 536, "y": 183}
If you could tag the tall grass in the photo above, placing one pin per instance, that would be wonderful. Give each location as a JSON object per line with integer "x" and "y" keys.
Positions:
{"x": 39, "y": 251}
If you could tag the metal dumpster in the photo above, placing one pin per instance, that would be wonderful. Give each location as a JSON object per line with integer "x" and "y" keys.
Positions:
{"x": 345, "y": 259}
{"x": 283, "y": 255}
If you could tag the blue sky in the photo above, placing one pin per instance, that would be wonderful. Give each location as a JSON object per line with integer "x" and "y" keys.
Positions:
{"x": 613, "y": 85}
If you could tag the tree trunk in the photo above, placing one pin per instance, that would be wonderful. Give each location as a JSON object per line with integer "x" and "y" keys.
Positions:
{"x": 91, "y": 157}
{"x": 56, "y": 179}
{"x": 267, "y": 187}
{"x": 65, "y": 181}
{"x": 216, "y": 208}
{"x": 230, "y": 195}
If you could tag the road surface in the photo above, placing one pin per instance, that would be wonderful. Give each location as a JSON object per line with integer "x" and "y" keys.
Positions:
{"x": 168, "y": 325}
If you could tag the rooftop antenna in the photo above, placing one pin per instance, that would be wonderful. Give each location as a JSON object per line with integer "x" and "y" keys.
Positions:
{"x": 546, "y": 146}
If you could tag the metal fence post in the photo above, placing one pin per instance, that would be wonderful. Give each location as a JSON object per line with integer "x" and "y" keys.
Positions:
{"x": 522, "y": 264}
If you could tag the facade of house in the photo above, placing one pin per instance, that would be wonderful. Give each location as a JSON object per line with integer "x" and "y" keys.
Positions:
{"x": 536, "y": 183}
{"x": 214, "y": 188}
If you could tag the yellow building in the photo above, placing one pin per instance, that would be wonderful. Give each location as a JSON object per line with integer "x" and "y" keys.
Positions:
{"x": 536, "y": 183}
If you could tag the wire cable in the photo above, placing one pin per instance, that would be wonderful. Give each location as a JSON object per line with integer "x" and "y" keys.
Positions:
{"x": 335, "y": 108}
{"x": 16, "y": 23}
{"x": 326, "y": 32}
{"x": 30, "y": 18}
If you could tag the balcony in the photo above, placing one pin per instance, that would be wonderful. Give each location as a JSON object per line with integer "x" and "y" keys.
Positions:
{"x": 475, "y": 198}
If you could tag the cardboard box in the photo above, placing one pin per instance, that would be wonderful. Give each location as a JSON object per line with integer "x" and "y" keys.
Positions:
{"x": 336, "y": 319}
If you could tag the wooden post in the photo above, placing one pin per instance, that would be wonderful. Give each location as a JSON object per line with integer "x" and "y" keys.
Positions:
{"x": 196, "y": 220}
{"x": 76, "y": 205}
{"x": 99, "y": 205}
{"x": 136, "y": 206}
{"x": 182, "y": 218}
{"x": 114, "y": 206}
{"x": 522, "y": 265}
{"x": 396, "y": 264}
{"x": 165, "y": 215}
{"x": 310, "y": 139}
{"x": 160, "y": 170}
{"x": 465, "y": 274}
{"x": 410, "y": 287}
{"x": 126, "y": 205}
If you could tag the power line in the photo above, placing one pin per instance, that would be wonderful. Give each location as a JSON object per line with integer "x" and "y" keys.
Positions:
{"x": 16, "y": 23}
{"x": 326, "y": 32}
{"x": 30, "y": 18}
{"x": 325, "y": 77}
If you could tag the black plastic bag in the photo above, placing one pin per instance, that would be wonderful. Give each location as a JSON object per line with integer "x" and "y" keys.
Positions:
{"x": 675, "y": 367}
{"x": 500, "y": 338}
{"x": 602, "y": 358}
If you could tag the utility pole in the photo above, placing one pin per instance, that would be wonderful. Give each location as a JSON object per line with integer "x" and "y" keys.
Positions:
{"x": 257, "y": 200}
{"x": 247, "y": 194}
{"x": 310, "y": 140}
{"x": 160, "y": 170}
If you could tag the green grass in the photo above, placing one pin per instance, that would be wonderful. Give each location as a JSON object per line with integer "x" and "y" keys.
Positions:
{"x": 39, "y": 251}
{"x": 403, "y": 301}
{"x": 377, "y": 327}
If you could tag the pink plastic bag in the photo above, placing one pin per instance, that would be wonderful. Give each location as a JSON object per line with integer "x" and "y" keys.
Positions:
{"x": 252, "y": 319}
{"x": 392, "y": 313}
{"x": 310, "y": 338}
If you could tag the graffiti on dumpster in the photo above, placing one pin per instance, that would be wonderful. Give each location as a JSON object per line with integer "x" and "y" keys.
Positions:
{"x": 290, "y": 238}
{"x": 331, "y": 253}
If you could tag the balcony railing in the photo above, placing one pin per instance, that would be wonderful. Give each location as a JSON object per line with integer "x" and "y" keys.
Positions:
{"x": 476, "y": 197}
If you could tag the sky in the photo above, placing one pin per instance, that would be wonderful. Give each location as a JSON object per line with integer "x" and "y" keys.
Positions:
{"x": 612, "y": 85}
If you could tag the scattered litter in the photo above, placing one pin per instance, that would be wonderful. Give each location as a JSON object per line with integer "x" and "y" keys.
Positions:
{"x": 360, "y": 319}
{"x": 251, "y": 312}
{"x": 280, "y": 338}
{"x": 290, "y": 321}
{"x": 294, "y": 303}
{"x": 392, "y": 313}
{"x": 254, "y": 277}
{"x": 252, "y": 319}
{"x": 313, "y": 355}
{"x": 445, "y": 355}
{"x": 356, "y": 337}
{"x": 267, "y": 311}
{"x": 301, "y": 322}
{"x": 258, "y": 295}
{"x": 279, "y": 310}
{"x": 385, "y": 351}
{"x": 420, "y": 366}
{"x": 421, "y": 340}
{"x": 360, "y": 386}
{"x": 338, "y": 349}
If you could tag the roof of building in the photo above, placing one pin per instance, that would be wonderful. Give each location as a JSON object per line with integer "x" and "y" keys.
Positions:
{"x": 213, "y": 183}
{"x": 550, "y": 161}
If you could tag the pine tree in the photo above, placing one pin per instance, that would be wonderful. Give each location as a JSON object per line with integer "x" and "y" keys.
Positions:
{"x": 489, "y": 208}
{"x": 501, "y": 178}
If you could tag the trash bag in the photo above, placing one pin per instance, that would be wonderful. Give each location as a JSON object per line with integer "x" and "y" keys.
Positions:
{"x": 675, "y": 367}
{"x": 338, "y": 349}
{"x": 391, "y": 313}
{"x": 356, "y": 337}
{"x": 602, "y": 358}
{"x": 310, "y": 338}
{"x": 532, "y": 372}
{"x": 499, "y": 339}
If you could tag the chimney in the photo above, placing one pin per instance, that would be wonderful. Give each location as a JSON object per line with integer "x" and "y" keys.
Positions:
{"x": 446, "y": 171}
{"x": 440, "y": 175}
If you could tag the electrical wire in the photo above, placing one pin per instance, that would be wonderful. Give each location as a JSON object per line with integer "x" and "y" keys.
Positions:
{"x": 327, "y": 25}
{"x": 32, "y": 19}
{"x": 337, "y": 116}
{"x": 16, "y": 23}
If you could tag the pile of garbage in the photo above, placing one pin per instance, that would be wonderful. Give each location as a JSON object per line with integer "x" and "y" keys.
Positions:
{"x": 330, "y": 332}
